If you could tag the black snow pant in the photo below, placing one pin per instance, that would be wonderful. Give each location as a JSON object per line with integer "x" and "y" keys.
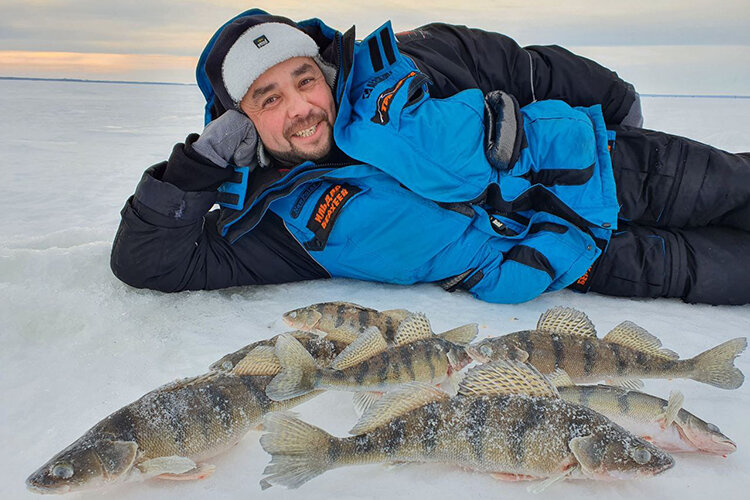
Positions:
{"x": 684, "y": 228}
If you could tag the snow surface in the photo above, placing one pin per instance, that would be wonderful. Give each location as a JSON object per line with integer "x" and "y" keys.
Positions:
{"x": 77, "y": 344}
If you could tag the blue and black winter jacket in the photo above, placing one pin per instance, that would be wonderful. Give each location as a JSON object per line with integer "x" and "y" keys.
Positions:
{"x": 420, "y": 202}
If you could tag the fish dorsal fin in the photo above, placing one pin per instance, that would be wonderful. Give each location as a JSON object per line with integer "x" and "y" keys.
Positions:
{"x": 370, "y": 343}
{"x": 560, "y": 378}
{"x": 506, "y": 377}
{"x": 260, "y": 361}
{"x": 396, "y": 403}
{"x": 566, "y": 320}
{"x": 463, "y": 335}
{"x": 397, "y": 314}
{"x": 628, "y": 334}
{"x": 631, "y": 384}
{"x": 674, "y": 405}
{"x": 342, "y": 334}
{"x": 414, "y": 327}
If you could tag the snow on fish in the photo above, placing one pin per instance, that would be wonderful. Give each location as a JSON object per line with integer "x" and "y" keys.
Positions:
{"x": 506, "y": 420}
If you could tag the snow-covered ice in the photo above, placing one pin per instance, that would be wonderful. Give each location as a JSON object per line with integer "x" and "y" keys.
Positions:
{"x": 76, "y": 344}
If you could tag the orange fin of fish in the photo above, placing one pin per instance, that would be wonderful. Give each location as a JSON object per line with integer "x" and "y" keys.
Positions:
{"x": 566, "y": 321}
{"x": 396, "y": 403}
{"x": 506, "y": 377}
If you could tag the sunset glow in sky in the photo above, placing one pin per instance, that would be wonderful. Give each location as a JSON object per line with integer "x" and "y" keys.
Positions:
{"x": 669, "y": 44}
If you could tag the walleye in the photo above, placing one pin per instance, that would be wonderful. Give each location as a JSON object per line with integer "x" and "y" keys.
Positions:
{"x": 259, "y": 358}
{"x": 662, "y": 422}
{"x": 344, "y": 321}
{"x": 566, "y": 339}
{"x": 167, "y": 433}
{"x": 506, "y": 420}
{"x": 370, "y": 364}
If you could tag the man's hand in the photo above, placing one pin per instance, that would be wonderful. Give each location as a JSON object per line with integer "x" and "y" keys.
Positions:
{"x": 230, "y": 138}
{"x": 503, "y": 129}
{"x": 634, "y": 118}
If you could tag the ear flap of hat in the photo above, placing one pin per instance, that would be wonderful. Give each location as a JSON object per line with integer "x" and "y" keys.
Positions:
{"x": 214, "y": 108}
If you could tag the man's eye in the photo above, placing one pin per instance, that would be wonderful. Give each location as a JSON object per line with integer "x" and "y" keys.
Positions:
{"x": 270, "y": 101}
{"x": 306, "y": 81}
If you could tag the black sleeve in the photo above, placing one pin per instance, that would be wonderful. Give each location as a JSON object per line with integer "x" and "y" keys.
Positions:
{"x": 168, "y": 241}
{"x": 458, "y": 58}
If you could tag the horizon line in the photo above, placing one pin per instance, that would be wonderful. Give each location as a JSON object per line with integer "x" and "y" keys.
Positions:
{"x": 144, "y": 82}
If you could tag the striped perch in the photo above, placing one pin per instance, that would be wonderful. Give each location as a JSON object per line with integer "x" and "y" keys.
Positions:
{"x": 663, "y": 422}
{"x": 370, "y": 364}
{"x": 169, "y": 432}
{"x": 345, "y": 321}
{"x": 566, "y": 339}
{"x": 506, "y": 420}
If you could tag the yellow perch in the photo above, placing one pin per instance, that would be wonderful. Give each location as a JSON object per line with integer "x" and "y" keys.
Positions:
{"x": 566, "y": 339}
{"x": 344, "y": 321}
{"x": 259, "y": 358}
{"x": 662, "y": 422}
{"x": 506, "y": 420}
{"x": 169, "y": 432}
{"x": 369, "y": 363}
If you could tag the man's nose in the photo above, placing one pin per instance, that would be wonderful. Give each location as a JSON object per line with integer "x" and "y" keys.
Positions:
{"x": 298, "y": 105}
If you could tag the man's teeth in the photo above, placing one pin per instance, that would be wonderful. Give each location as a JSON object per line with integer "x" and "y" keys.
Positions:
{"x": 307, "y": 132}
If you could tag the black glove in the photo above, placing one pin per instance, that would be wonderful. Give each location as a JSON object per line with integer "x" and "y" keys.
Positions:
{"x": 503, "y": 129}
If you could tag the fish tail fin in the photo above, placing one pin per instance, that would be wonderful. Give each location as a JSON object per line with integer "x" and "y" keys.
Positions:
{"x": 299, "y": 451}
{"x": 298, "y": 370}
{"x": 716, "y": 366}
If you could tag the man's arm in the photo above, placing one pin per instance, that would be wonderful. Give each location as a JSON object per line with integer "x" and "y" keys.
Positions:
{"x": 458, "y": 58}
{"x": 168, "y": 241}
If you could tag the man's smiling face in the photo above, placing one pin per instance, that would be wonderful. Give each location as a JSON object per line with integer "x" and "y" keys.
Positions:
{"x": 293, "y": 110}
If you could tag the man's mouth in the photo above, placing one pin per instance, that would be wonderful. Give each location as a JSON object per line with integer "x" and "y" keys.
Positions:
{"x": 308, "y": 132}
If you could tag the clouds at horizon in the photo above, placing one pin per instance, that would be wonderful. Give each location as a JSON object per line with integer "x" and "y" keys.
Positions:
{"x": 174, "y": 31}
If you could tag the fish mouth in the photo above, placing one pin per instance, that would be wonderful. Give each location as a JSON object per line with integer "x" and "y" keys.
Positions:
{"x": 712, "y": 444}
{"x": 47, "y": 490}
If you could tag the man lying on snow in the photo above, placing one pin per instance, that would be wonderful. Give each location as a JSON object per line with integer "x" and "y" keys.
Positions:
{"x": 434, "y": 155}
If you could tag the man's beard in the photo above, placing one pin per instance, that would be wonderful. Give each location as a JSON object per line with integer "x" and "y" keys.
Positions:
{"x": 295, "y": 155}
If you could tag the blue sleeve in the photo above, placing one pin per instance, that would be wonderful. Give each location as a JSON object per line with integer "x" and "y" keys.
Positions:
{"x": 386, "y": 118}
{"x": 549, "y": 257}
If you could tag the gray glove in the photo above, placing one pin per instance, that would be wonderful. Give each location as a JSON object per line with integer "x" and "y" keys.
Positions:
{"x": 634, "y": 118}
{"x": 503, "y": 129}
{"x": 230, "y": 138}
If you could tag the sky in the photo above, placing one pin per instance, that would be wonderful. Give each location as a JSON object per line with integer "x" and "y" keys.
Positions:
{"x": 662, "y": 46}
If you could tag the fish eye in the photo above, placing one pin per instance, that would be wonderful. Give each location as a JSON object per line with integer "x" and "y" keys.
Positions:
{"x": 486, "y": 350}
{"x": 62, "y": 471}
{"x": 292, "y": 314}
{"x": 641, "y": 455}
{"x": 712, "y": 428}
